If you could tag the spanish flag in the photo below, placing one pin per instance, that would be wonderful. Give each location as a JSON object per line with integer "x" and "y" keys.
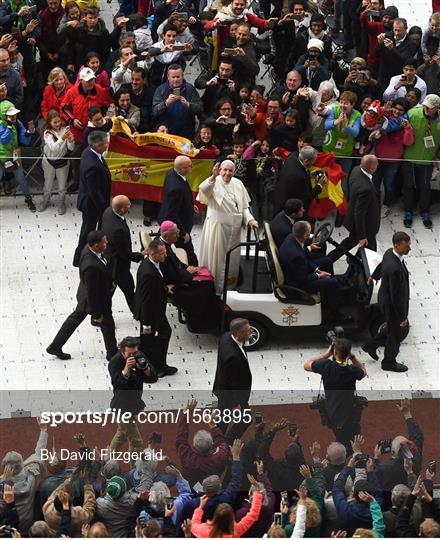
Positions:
{"x": 138, "y": 163}
{"x": 332, "y": 196}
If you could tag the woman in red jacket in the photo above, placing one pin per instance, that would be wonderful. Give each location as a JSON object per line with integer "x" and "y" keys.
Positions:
{"x": 57, "y": 86}
{"x": 223, "y": 524}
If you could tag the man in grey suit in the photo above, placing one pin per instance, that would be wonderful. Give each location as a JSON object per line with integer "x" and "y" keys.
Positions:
{"x": 363, "y": 216}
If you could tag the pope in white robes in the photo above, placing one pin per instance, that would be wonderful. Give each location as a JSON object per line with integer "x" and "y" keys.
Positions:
{"x": 227, "y": 214}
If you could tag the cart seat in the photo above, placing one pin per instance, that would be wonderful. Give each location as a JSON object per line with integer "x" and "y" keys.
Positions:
{"x": 145, "y": 239}
{"x": 284, "y": 293}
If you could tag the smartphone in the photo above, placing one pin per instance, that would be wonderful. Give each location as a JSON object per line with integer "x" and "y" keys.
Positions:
{"x": 230, "y": 52}
{"x": 221, "y": 80}
{"x": 169, "y": 501}
{"x": 258, "y": 418}
{"x": 176, "y": 91}
{"x": 360, "y": 76}
{"x": 296, "y": 17}
{"x": 284, "y": 497}
{"x": 403, "y": 78}
{"x": 385, "y": 446}
{"x": 432, "y": 467}
{"x": 293, "y": 429}
{"x": 33, "y": 9}
{"x": 231, "y": 121}
{"x": 277, "y": 518}
{"x": 139, "y": 57}
{"x": 182, "y": 16}
{"x": 178, "y": 47}
{"x": 156, "y": 437}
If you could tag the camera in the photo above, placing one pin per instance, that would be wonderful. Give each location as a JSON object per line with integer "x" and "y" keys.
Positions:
{"x": 221, "y": 80}
{"x": 361, "y": 460}
{"x": 258, "y": 418}
{"x": 169, "y": 501}
{"x": 293, "y": 429}
{"x": 277, "y": 518}
{"x": 432, "y": 467}
{"x": 332, "y": 335}
{"x": 141, "y": 360}
{"x": 7, "y": 532}
{"x": 318, "y": 404}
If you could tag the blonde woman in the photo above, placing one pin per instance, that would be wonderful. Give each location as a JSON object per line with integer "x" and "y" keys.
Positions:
{"x": 56, "y": 88}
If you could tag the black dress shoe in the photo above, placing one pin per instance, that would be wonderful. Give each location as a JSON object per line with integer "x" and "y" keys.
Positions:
{"x": 369, "y": 350}
{"x": 341, "y": 317}
{"x": 399, "y": 368}
{"x": 58, "y": 353}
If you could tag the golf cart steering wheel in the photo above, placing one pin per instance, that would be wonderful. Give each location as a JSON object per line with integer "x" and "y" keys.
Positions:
{"x": 323, "y": 233}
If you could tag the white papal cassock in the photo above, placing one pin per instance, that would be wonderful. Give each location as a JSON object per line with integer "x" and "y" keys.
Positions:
{"x": 227, "y": 213}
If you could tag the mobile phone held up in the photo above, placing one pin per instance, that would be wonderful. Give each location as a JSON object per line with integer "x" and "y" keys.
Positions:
{"x": 277, "y": 518}
{"x": 176, "y": 91}
{"x": 432, "y": 467}
{"x": 156, "y": 437}
{"x": 385, "y": 446}
{"x": 258, "y": 418}
{"x": 293, "y": 429}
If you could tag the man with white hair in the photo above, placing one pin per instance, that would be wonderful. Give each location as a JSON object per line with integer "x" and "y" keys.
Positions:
{"x": 178, "y": 204}
{"x": 208, "y": 453}
{"x": 228, "y": 212}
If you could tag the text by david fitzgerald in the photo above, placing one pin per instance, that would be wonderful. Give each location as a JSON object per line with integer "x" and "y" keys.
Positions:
{"x": 105, "y": 454}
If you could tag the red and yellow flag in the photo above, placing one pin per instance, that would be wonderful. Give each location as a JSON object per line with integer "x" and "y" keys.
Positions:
{"x": 139, "y": 171}
{"x": 332, "y": 196}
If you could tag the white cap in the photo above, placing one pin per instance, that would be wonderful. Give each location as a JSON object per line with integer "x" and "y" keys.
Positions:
{"x": 87, "y": 74}
{"x": 12, "y": 111}
{"x": 432, "y": 101}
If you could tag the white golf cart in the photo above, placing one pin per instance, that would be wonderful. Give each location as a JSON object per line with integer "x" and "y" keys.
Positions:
{"x": 276, "y": 309}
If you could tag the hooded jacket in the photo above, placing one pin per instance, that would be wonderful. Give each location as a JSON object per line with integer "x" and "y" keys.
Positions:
{"x": 11, "y": 135}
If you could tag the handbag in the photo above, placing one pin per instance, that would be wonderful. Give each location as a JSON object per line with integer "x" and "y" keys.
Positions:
{"x": 203, "y": 275}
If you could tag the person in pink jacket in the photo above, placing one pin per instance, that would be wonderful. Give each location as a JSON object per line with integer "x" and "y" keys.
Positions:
{"x": 223, "y": 524}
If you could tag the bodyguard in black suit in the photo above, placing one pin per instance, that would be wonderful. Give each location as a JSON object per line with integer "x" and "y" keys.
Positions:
{"x": 294, "y": 180}
{"x": 363, "y": 214}
{"x": 119, "y": 250}
{"x": 94, "y": 298}
{"x": 178, "y": 204}
{"x": 393, "y": 302}
{"x": 94, "y": 188}
{"x": 233, "y": 377}
{"x": 128, "y": 378}
{"x": 150, "y": 307}
{"x": 282, "y": 223}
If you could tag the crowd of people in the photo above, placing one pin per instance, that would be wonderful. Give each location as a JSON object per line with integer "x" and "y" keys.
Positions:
{"x": 351, "y": 78}
{"x": 221, "y": 488}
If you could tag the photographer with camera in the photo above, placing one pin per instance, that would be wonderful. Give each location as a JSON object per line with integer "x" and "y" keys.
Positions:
{"x": 340, "y": 369}
{"x": 129, "y": 370}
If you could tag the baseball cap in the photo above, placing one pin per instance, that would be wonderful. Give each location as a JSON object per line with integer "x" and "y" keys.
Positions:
{"x": 116, "y": 487}
{"x": 432, "y": 101}
{"x": 12, "y": 111}
{"x": 87, "y": 74}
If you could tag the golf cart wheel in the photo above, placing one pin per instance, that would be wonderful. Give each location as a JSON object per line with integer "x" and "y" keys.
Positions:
{"x": 257, "y": 337}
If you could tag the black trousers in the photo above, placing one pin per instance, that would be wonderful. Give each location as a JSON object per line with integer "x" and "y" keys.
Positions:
{"x": 233, "y": 428}
{"x": 91, "y": 220}
{"x": 416, "y": 176}
{"x": 391, "y": 338}
{"x": 189, "y": 248}
{"x": 75, "y": 319}
{"x": 349, "y": 243}
{"x": 345, "y": 434}
{"x": 124, "y": 280}
{"x": 156, "y": 346}
{"x": 330, "y": 288}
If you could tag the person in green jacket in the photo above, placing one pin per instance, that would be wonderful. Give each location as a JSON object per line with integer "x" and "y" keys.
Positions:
{"x": 417, "y": 167}
{"x": 12, "y": 135}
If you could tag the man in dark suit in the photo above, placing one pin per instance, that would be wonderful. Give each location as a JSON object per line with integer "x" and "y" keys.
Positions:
{"x": 294, "y": 180}
{"x": 363, "y": 215}
{"x": 301, "y": 272}
{"x": 128, "y": 378}
{"x": 233, "y": 377}
{"x": 150, "y": 305}
{"x": 178, "y": 204}
{"x": 94, "y": 188}
{"x": 94, "y": 298}
{"x": 393, "y": 302}
{"x": 197, "y": 299}
{"x": 282, "y": 223}
{"x": 119, "y": 250}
